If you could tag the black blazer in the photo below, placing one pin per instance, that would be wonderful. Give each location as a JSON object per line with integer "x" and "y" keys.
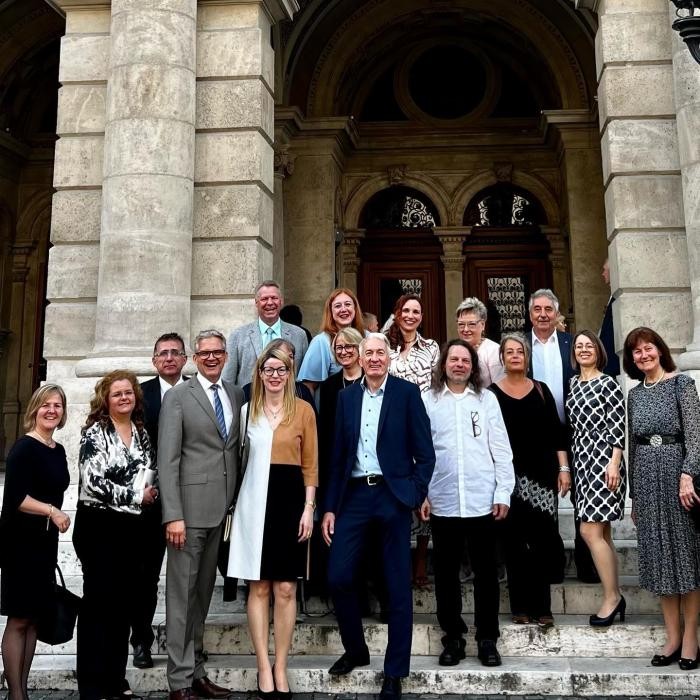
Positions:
{"x": 151, "y": 409}
{"x": 565, "y": 341}
{"x": 607, "y": 337}
{"x": 404, "y": 443}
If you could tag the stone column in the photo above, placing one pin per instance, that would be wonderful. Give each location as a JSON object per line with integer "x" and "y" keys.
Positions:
{"x": 452, "y": 240}
{"x": 145, "y": 264}
{"x": 350, "y": 256}
{"x": 559, "y": 260}
{"x": 686, "y": 79}
{"x": 641, "y": 171}
{"x": 284, "y": 167}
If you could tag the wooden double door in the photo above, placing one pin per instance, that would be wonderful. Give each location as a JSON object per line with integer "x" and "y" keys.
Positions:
{"x": 502, "y": 268}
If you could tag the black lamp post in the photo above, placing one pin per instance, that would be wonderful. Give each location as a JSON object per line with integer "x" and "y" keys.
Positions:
{"x": 688, "y": 24}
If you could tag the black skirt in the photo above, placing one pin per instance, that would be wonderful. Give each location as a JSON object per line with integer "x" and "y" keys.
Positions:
{"x": 283, "y": 557}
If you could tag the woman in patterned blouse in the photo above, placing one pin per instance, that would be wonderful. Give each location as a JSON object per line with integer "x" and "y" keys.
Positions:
{"x": 413, "y": 358}
{"x": 116, "y": 482}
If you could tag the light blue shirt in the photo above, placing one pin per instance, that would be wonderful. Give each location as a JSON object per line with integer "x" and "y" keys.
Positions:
{"x": 276, "y": 329}
{"x": 319, "y": 362}
{"x": 366, "y": 460}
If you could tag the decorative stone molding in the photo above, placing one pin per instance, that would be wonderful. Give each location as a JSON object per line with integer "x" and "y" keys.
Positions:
{"x": 397, "y": 174}
{"x": 503, "y": 171}
{"x": 452, "y": 240}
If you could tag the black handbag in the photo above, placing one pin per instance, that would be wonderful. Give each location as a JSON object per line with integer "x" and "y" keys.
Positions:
{"x": 57, "y": 624}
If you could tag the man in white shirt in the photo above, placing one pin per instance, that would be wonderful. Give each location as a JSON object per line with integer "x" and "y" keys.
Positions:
{"x": 469, "y": 491}
{"x": 169, "y": 358}
{"x": 551, "y": 364}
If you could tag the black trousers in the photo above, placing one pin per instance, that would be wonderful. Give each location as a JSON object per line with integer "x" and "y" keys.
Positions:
{"x": 531, "y": 543}
{"x": 449, "y": 537}
{"x": 147, "y": 576}
{"x": 106, "y": 543}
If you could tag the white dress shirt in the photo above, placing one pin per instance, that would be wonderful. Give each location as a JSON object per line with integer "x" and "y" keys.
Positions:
{"x": 165, "y": 387}
{"x": 225, "y": 401}
{"x": 474, "y": 462}
{"x": 547, "y": 368}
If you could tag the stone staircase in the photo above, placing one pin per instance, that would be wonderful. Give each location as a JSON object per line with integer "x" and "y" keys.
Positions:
{"x": 570, "y": 659}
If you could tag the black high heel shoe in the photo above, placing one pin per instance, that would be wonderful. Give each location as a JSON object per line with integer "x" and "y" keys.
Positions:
{"x": 689, "y": 664}
{"x": 663, "y": 660}
{"x": 281, "y": 694}
{"x": 267, "y": 694}
{"x": 620, "y": 608}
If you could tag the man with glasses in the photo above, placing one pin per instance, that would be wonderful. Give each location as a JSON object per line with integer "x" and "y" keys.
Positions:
{"x": 169, "y": 358}
{"x": 470, "y": 491}
{"x": 248, "y": 341}
{"x": 198, "y": 456}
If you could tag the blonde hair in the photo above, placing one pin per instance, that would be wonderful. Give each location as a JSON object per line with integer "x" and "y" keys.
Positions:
{"x": 257, "y": 392}
{"x": 37, "y": 401}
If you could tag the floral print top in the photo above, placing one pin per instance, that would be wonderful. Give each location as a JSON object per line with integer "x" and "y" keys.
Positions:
{"x": 108, "y": 468}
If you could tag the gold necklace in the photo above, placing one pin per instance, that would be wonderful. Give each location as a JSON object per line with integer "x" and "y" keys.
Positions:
{"x": 651, "y": 386}
{"x": 48, "y": 443}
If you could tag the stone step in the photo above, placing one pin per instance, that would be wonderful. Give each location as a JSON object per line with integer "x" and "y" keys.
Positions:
{"x": 571, "y": 597}
{"x": 639, "y": 636}
{"x": 626, "y": 551}
{"x": 576, "y": 676}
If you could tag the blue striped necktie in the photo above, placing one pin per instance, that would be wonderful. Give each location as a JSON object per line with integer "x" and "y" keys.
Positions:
{"x": 219, "y": 410}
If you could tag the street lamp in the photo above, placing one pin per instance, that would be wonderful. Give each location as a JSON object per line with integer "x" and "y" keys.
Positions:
{"x": 688, "y": 24}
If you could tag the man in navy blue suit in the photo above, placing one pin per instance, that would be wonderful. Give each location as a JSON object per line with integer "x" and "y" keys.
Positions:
{"x": 382, "y": 464}
{"x": 550, "y": 362}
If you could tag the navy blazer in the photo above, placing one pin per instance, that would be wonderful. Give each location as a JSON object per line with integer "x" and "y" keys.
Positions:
{"x": 564, "y": 340}
{"x": 404, "y": 443}
{"x": 151, "y": 409}
{"x": 607, "y": 337}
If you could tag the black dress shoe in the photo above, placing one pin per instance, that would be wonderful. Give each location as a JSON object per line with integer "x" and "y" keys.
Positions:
{"x": 595, "y": 621}
{"x": 453, "y": 652}
{"x": 689, "y": 664}
{"x": 663, "y": 660}
{"x": 488, "y": 654}
{"x": 142, "y": 656}
{"x": 391, "y": 688}
{"x": 347, "y": 662}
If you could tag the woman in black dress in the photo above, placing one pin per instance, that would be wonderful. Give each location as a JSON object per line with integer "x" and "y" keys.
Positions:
{"x": 533, "y": 547}
{"x": 116, "y": 482}
{"x": 35, "y": 481}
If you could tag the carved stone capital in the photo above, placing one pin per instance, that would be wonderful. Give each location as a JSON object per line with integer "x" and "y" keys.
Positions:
{"x": 397, "y": 174}
{"x": 453, "y": 263}
{"x": 503, "y": 171}
{"x": 284, "y": 162}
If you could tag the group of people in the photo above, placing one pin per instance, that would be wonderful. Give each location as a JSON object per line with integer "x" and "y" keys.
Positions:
{"x": 471, "y": 444}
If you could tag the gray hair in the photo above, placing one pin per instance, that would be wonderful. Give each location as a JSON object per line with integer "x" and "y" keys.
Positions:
{"x": 374, "y": 336}
{"x": 472, "y": 305}
{"x": 209, "y": 333}
{"x": 267, "y": 283}
{"x": 549, "y": 294}
{"x": 518, "y": 338}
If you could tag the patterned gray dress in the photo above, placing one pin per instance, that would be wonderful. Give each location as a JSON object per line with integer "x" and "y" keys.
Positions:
{"x": 596, "y": 412}
{"x": 669, "y": 547}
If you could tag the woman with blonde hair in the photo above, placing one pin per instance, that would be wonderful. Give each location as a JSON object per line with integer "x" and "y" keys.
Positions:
{"x": 341, "y": 310}
{"x": 273, "y": 519}
{"x": 117, "y": 480}
{"x": 36, "y": 479}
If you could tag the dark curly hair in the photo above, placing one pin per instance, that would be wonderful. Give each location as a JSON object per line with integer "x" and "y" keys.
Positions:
{"x": 99, "y": 403}
{"x": 440, "y": 375}
{"x": 394, "y": 332}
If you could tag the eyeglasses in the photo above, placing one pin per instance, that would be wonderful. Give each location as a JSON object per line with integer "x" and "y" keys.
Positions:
{"x": 164, "y": 354}
{"x": 342, "y": 349}
{"x": 204, "y": 354}
{"x": 476, "y": 428}
{"x": 271, "y": 371}
{"x": 471, "y": 325}
{"x": 588, "y": 346}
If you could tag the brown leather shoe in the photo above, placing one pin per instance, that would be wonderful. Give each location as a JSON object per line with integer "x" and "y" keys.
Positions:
{"x": 204, "y": 688}
{"x": 182, "y": 694}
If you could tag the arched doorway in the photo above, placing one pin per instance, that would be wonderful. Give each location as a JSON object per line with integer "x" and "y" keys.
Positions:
{"x": 400, "y": 255}
{"x": 506, "y": 255}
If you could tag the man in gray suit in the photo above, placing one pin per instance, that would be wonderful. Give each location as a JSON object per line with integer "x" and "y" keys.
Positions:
{"x": 198, "y": 435}
{"x": 247, "y": 342}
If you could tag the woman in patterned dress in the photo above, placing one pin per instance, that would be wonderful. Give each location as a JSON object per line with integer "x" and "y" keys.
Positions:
{"x": 664, "y": 454}
{"x": 273, "y": 519}
{"x": 114, "y": 462}
{"x": 533, "y": 547}
{"x": 413, "y": 358}
{"x": 595, "y": 410}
